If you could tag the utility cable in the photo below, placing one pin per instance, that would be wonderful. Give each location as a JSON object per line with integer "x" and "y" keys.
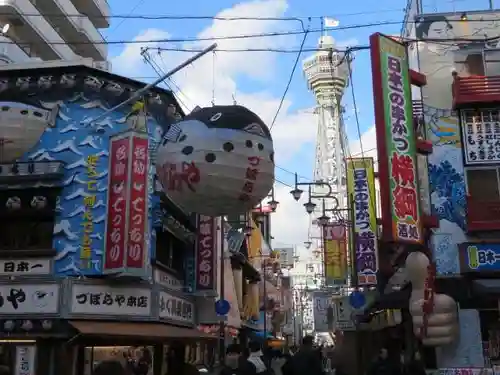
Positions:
{"x": 290, "y": 78}
{"x": 272, "y": 34}
{"x": 122, "y": 21}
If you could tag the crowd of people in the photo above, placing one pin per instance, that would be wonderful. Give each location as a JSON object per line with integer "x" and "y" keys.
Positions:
{"x": 255, "y": 359}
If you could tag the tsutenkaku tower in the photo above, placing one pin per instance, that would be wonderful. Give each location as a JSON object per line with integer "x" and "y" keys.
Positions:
{"x": 327, "y": 76}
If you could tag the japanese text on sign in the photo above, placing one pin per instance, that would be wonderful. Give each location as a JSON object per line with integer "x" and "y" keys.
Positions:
{"x": 177, "y": 177}
{"x": 89, "y": 201}
{"x": 175, "y": 308}
{"x": 25, "y": 360}
{"x": 205, "y": 256}
{"x": 109, "y": 299}
{"x": 35, "y": 267}
{"x": 402, "y": 158}
{"x": 251, "y": 174}
{"x": 335, "y": 253}
{"x": 117, "y": 204}
{"x": 481, "y": 131}
{"x": 365, "y": 240}
{"x": 138, "y": 204}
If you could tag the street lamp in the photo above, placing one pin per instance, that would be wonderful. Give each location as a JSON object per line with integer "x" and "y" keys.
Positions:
{"x": 297, "y": 192}
{"x": 273, "y": 203}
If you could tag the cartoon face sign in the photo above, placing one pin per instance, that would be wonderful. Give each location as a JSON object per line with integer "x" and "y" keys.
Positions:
{"x": 217, "y": 161}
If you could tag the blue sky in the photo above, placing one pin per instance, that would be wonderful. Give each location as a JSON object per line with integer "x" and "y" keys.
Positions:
{"x": 256, "y": 79}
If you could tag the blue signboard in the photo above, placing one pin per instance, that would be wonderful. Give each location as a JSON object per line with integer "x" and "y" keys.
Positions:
{"x": 479, "y": 257}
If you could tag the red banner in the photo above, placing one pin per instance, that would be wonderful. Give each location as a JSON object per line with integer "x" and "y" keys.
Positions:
{"x": 126, "y": 249}
{"x": 206, "y": 254}
{"x": 114, "y": 253}
{"x": 137, "y": 219}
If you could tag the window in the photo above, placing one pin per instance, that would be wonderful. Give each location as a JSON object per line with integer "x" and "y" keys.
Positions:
{"x": 492, "y": 62}
{"x": 27, "y": 219}
{"x": 170, "y": 251}
{"x": 474, "y": 64}
{"x": 483, "y": 184}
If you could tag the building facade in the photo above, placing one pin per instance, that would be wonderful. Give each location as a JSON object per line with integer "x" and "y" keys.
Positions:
{"x": 54, "y": 30}
{"x": 92, "y": 252}
{"x": 458, "y": 53}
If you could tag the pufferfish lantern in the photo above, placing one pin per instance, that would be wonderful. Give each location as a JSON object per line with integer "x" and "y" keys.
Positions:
{"x": 217, "y": 161}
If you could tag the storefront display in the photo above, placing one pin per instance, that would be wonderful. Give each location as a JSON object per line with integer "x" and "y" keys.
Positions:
{"x": 137, "y": 359}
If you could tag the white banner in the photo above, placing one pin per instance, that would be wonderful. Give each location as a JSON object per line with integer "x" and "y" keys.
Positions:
{"x": 175, "y": 308}
{"x": 29, "y": 299}
{"x": 25, "y": 360}
{"x": 112, "y": 301}
{"x": 321, "y": 301}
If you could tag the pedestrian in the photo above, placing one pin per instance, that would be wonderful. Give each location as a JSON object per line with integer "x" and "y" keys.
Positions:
{"x": 306, "y": 361}
{"x": 383, "y": 365}
{"x": 255, "y": 363}
{"x": 415, "y": 366}
{"x": 232, "y": 362}
{"x": 176, "y": 364}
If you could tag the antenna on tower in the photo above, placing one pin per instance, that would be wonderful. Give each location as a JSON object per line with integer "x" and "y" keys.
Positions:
{"x": 234, "y": 100}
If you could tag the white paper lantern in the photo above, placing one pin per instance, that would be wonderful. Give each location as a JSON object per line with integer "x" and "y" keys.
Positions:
{"x": 217, "y": 161}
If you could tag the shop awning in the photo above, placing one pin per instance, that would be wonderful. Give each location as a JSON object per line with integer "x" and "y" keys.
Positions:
{"x": 152, "y": 331}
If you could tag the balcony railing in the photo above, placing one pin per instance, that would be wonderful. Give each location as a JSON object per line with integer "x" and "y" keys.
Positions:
{"x": 475, "y": 90}
{"x": 482, "y": 215}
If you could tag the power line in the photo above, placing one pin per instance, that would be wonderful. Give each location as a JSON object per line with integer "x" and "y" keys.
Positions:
{"x": 123, "y": 19}
{"x": 290, "y": 78}
{"x": 201, "y": 18}
{"x": 268, "y": 34}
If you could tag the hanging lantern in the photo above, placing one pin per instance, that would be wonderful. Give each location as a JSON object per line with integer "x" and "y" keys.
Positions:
{"x": 217, "y": 161}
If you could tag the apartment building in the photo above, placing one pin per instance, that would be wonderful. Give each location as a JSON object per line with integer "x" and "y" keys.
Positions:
{"x": 53, "y": 30}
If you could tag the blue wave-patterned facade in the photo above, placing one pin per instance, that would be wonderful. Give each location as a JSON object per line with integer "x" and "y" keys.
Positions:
{"x": 76, "y": 95}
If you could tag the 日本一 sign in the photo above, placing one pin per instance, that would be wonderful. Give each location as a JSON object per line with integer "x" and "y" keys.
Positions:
{"x": 395, "y": 141}
{"x": 175, "y": 309}
{"x": 110, "y": 301}
{"x": 361, "y": 192}
{"x": 25, "y": 267}
{"x": 126, "y": 246}
{"x": 29, "y": 299}
{"x": 479, "y": 257}
{"x": 205, "y": 267}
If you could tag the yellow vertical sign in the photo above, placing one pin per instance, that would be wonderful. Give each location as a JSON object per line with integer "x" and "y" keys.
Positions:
{"x": 361, "y": 193}
{"x": 254, "y": 246}
{"x": 335, "y": 254}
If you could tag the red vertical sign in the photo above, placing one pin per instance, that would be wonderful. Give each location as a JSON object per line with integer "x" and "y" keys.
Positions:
{"x": 114, "y": 248}
{"x": 138, "y": 204}
{"x": 206, "y": 254}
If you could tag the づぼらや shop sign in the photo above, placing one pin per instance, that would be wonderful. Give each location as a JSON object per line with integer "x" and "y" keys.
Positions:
{"x": 110, "y": 301}
{"x": 175, "y": 308}
{"x": 396, "y": 136}
{"x": 205, "y": 254}
{"x": 29, "y": 299}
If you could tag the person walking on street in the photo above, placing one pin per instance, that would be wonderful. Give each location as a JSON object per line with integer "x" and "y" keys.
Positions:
{"x": 255, "y": 363}
{"x": 233, "y": 361}
{"x": 383, "y": 365}
{"x": 306, "y": 361}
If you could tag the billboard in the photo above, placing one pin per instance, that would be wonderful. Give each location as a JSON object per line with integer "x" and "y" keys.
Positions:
{"x": 321, "y": 302}
{"x": 397, "y": 155}
{"x": 479, "y": 257}
{"x": 286, "y": 256}
{"x": 126, "y": 250}
{"x": 335, "y": 254}
{"x": 361, "y": 192}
